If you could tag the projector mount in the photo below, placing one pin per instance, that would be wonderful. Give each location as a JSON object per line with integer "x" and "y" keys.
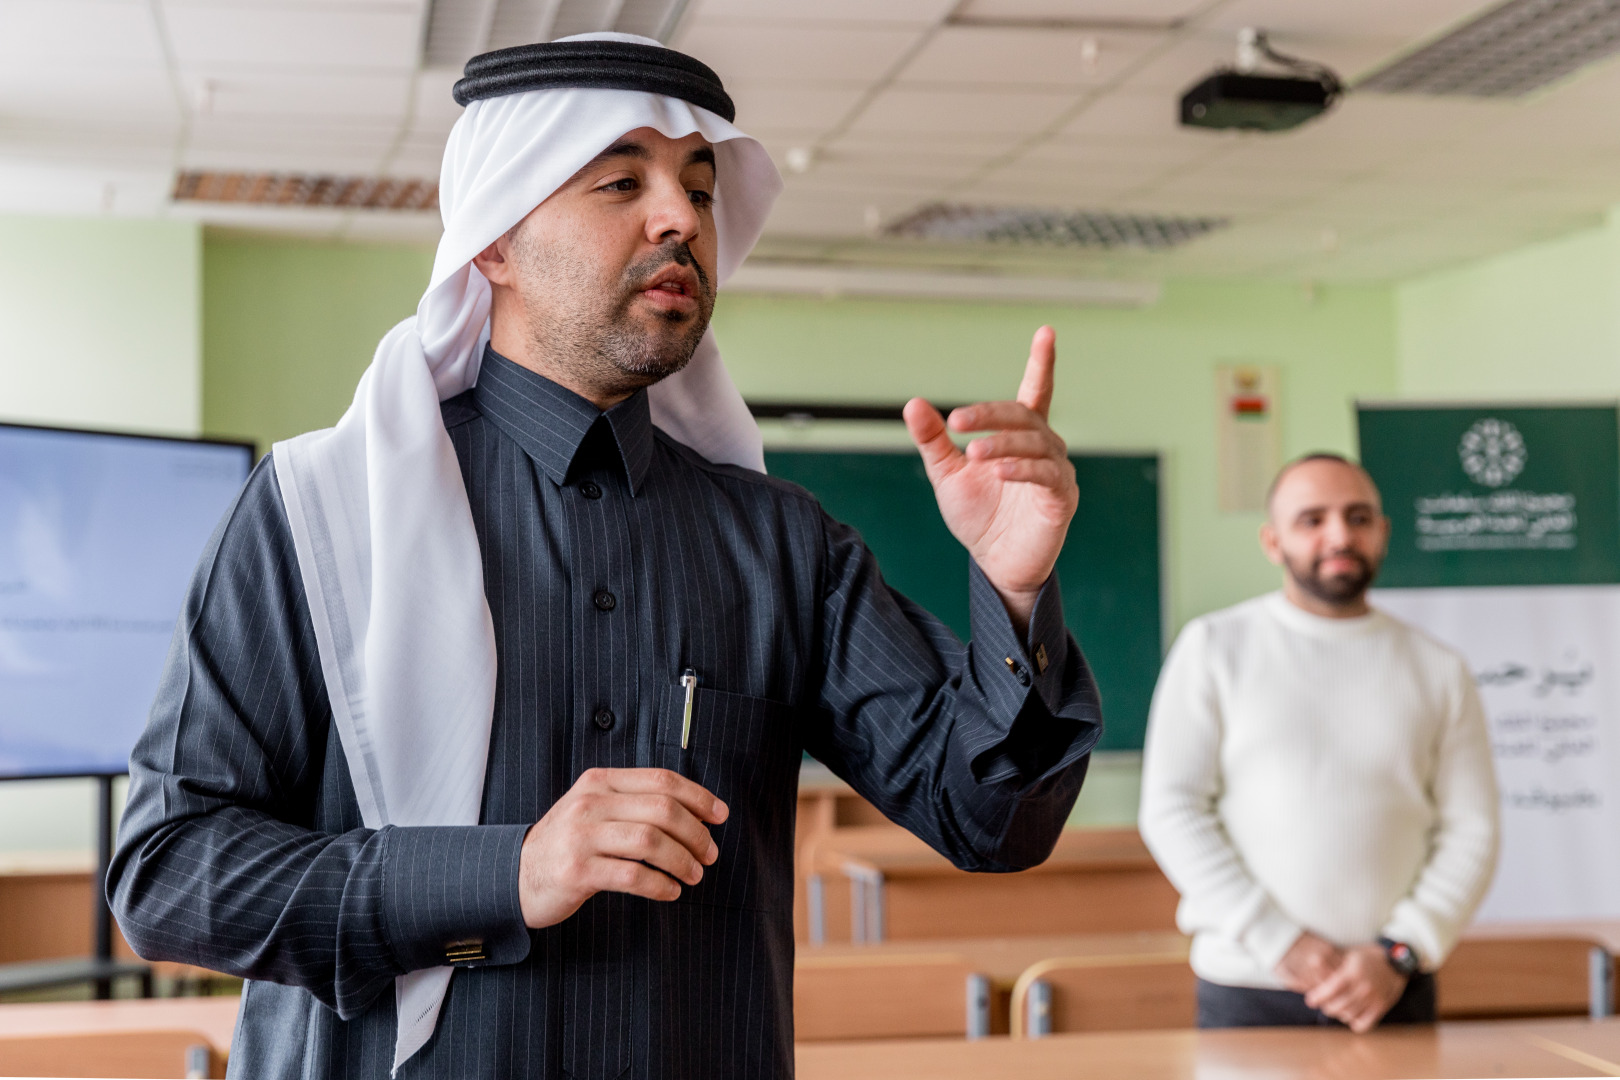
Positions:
{"x": 1254, "y": 46}
{"x": 1243, "y": 97}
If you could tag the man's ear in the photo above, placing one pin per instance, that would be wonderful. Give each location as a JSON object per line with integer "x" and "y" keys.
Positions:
{"x": 1268, "y": 543}
{"x": 495, "y": 261}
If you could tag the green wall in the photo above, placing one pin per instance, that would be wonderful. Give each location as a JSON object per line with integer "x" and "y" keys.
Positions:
{"x": 1541, "y": 323}
{"x": 289, "y": 325}
{"x": 98, "y": 323}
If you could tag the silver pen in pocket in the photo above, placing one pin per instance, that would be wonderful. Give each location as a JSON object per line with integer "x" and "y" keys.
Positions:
{"x": 689, "y": 679}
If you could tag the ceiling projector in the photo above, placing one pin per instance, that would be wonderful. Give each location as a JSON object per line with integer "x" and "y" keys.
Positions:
{"x": 1244, "y": 98}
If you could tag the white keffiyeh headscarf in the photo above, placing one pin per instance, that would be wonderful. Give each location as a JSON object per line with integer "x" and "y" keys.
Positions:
{"x": 379, "y": 515}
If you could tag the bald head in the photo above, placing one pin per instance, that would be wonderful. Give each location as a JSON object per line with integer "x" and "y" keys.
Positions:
{"x": 1325, "y": 527}
{"x": 1317, "y": 462}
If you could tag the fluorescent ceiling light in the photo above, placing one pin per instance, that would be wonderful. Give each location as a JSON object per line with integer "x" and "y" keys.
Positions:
{"x": 1050, "y": 228}
{"x": 298, "y": 189}
{"x": 461, "y": 29}
{"x": 819, "y": 279}
{"x": 1508, "y": 51}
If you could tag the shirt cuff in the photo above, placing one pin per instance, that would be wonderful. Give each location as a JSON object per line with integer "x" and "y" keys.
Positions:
{"x": 450, "y": 895}
{"x": 1409, "y": 925}
{"x": 1008, "y": 666}
{"x": 1041, "y": 711}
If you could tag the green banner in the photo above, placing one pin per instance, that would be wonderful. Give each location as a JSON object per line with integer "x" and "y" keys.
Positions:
{"x": 1483, "y": 495}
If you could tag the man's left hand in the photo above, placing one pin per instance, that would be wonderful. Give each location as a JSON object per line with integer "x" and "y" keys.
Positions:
{"x": 1010, "y": 496}
{"x": 1360, "y": 991}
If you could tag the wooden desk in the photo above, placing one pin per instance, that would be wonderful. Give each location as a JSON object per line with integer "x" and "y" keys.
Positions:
{"x": 1003, "y": 959}
{"x": 895, "y": 887}
{"x": 1527, "y": 1049}
{"x": 214, "y": 1017}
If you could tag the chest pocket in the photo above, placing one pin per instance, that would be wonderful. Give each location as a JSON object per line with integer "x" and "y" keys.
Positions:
{"x": 744, "y": 750}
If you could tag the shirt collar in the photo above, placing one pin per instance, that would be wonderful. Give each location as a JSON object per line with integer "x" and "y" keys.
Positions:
{"x": 550, "y": 421}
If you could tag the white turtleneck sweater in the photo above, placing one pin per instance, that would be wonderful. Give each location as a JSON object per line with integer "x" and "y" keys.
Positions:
{"x": 1303, "y": 773}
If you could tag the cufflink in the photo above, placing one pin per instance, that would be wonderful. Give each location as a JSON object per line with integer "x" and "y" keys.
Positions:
{"x": 1041, "y": 662}
{"x": 470, "y": 951}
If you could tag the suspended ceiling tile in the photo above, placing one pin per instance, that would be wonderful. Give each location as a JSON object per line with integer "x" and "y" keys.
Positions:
{"x": 803, "y": 106}
{"x": 94, "y": 95}
{"x": 1087, "y": 151}
{"x": 945, "y": 112}
{"x": 914, "y": 12}
{"x": 1408, "y": 21}
{"x": 322, "y": 96}
{"x": 38, "y": 188}
{"x": 78, "y": 32}
{"x": 1081, "y": 192}
{"x": 368, "y": 37}
{"x": 935, "y": 164}
{"x": 1125, "y": 115}
{"x": 433, "y": 100}
{"x": 762, "y": 53}
{"x": 1009, "y": 57}
{"x": 1101, "y": 11}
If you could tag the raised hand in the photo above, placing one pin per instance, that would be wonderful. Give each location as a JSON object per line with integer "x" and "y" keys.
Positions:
{"x": 1010, "y": 496}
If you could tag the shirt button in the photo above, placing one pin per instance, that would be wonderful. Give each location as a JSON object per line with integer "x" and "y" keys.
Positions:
{"x": 604, "y": 600}
{"x": 590, "y": 489}
{"x": 604, "y": 719}
{"x": 1020, "y": 672}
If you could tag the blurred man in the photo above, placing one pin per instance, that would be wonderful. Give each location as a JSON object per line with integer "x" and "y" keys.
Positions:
{"x": 1317, "y": 781}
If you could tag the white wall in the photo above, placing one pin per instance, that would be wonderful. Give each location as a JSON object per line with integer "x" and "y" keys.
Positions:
{"x": 100, "y": 327}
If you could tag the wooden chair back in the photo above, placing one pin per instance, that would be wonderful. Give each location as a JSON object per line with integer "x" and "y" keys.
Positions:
{"x": 881, "y": 996}
{"x": 1499, "y": 978}
{"x": 1151, "y": 991}
{"x": 173, "y": 1055}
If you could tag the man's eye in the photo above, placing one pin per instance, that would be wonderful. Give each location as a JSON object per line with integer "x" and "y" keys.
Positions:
{"x": 627, "y": 184}
{"x": 701, "y": 198}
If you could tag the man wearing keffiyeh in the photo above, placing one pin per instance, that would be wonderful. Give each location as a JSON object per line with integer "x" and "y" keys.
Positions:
{"x": 495, "y": 693}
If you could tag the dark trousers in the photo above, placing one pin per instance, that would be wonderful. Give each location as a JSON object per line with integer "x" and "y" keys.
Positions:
{"x": 1246, "y": 1006}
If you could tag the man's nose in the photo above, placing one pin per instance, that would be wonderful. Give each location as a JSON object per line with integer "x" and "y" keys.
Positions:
{"x": 670, "y": 214}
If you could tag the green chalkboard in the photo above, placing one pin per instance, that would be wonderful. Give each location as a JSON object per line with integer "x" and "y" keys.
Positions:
{"x": 1109, "y": 568}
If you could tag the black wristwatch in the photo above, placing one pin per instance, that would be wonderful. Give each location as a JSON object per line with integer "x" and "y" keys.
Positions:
{"x": 1401, "y": 956}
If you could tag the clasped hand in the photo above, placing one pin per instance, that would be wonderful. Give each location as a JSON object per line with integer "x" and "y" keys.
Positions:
{"x": 637, "y": 831}
{"x": 1355, "y": 986}
{"x": 1009, "y": 497}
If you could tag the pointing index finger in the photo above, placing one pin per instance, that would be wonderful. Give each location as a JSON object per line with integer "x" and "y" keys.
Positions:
{"x": 1035, "y": 392}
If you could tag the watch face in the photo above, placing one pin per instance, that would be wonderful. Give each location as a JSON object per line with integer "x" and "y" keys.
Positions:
{"x": 1401, "y": 957}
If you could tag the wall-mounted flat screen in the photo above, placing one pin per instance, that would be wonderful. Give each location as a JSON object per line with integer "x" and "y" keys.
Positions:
{"x": 99, "y": 535}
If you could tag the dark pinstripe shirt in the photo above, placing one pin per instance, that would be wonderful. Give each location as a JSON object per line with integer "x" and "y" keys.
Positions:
{"x": 614, "y": 558}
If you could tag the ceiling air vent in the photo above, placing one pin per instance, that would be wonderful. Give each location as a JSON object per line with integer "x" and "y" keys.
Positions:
{"x": 1508, "y": 51}
{"x": 294, "y": 189}
{"x": 1061, "y": 228}
{"x": 461, "y": 29}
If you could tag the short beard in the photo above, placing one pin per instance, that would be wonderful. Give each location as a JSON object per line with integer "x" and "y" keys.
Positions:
{"x": 587, "y": 328}
{"x": 649, "y": 358}
{"x": 1338, "y": 590}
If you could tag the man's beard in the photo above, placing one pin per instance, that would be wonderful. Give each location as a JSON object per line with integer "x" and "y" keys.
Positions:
{"x": 638, "y": 354}
{"x": 1335, "y": 589}
{"x": 595, "y": 334}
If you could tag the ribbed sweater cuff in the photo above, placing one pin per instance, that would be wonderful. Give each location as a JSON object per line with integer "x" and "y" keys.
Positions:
{"x": 1269, "y": 936}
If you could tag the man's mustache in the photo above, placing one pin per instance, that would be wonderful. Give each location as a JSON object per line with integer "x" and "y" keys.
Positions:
{"x": 680, "y": 254}
{"x": 1355, "y": 556}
